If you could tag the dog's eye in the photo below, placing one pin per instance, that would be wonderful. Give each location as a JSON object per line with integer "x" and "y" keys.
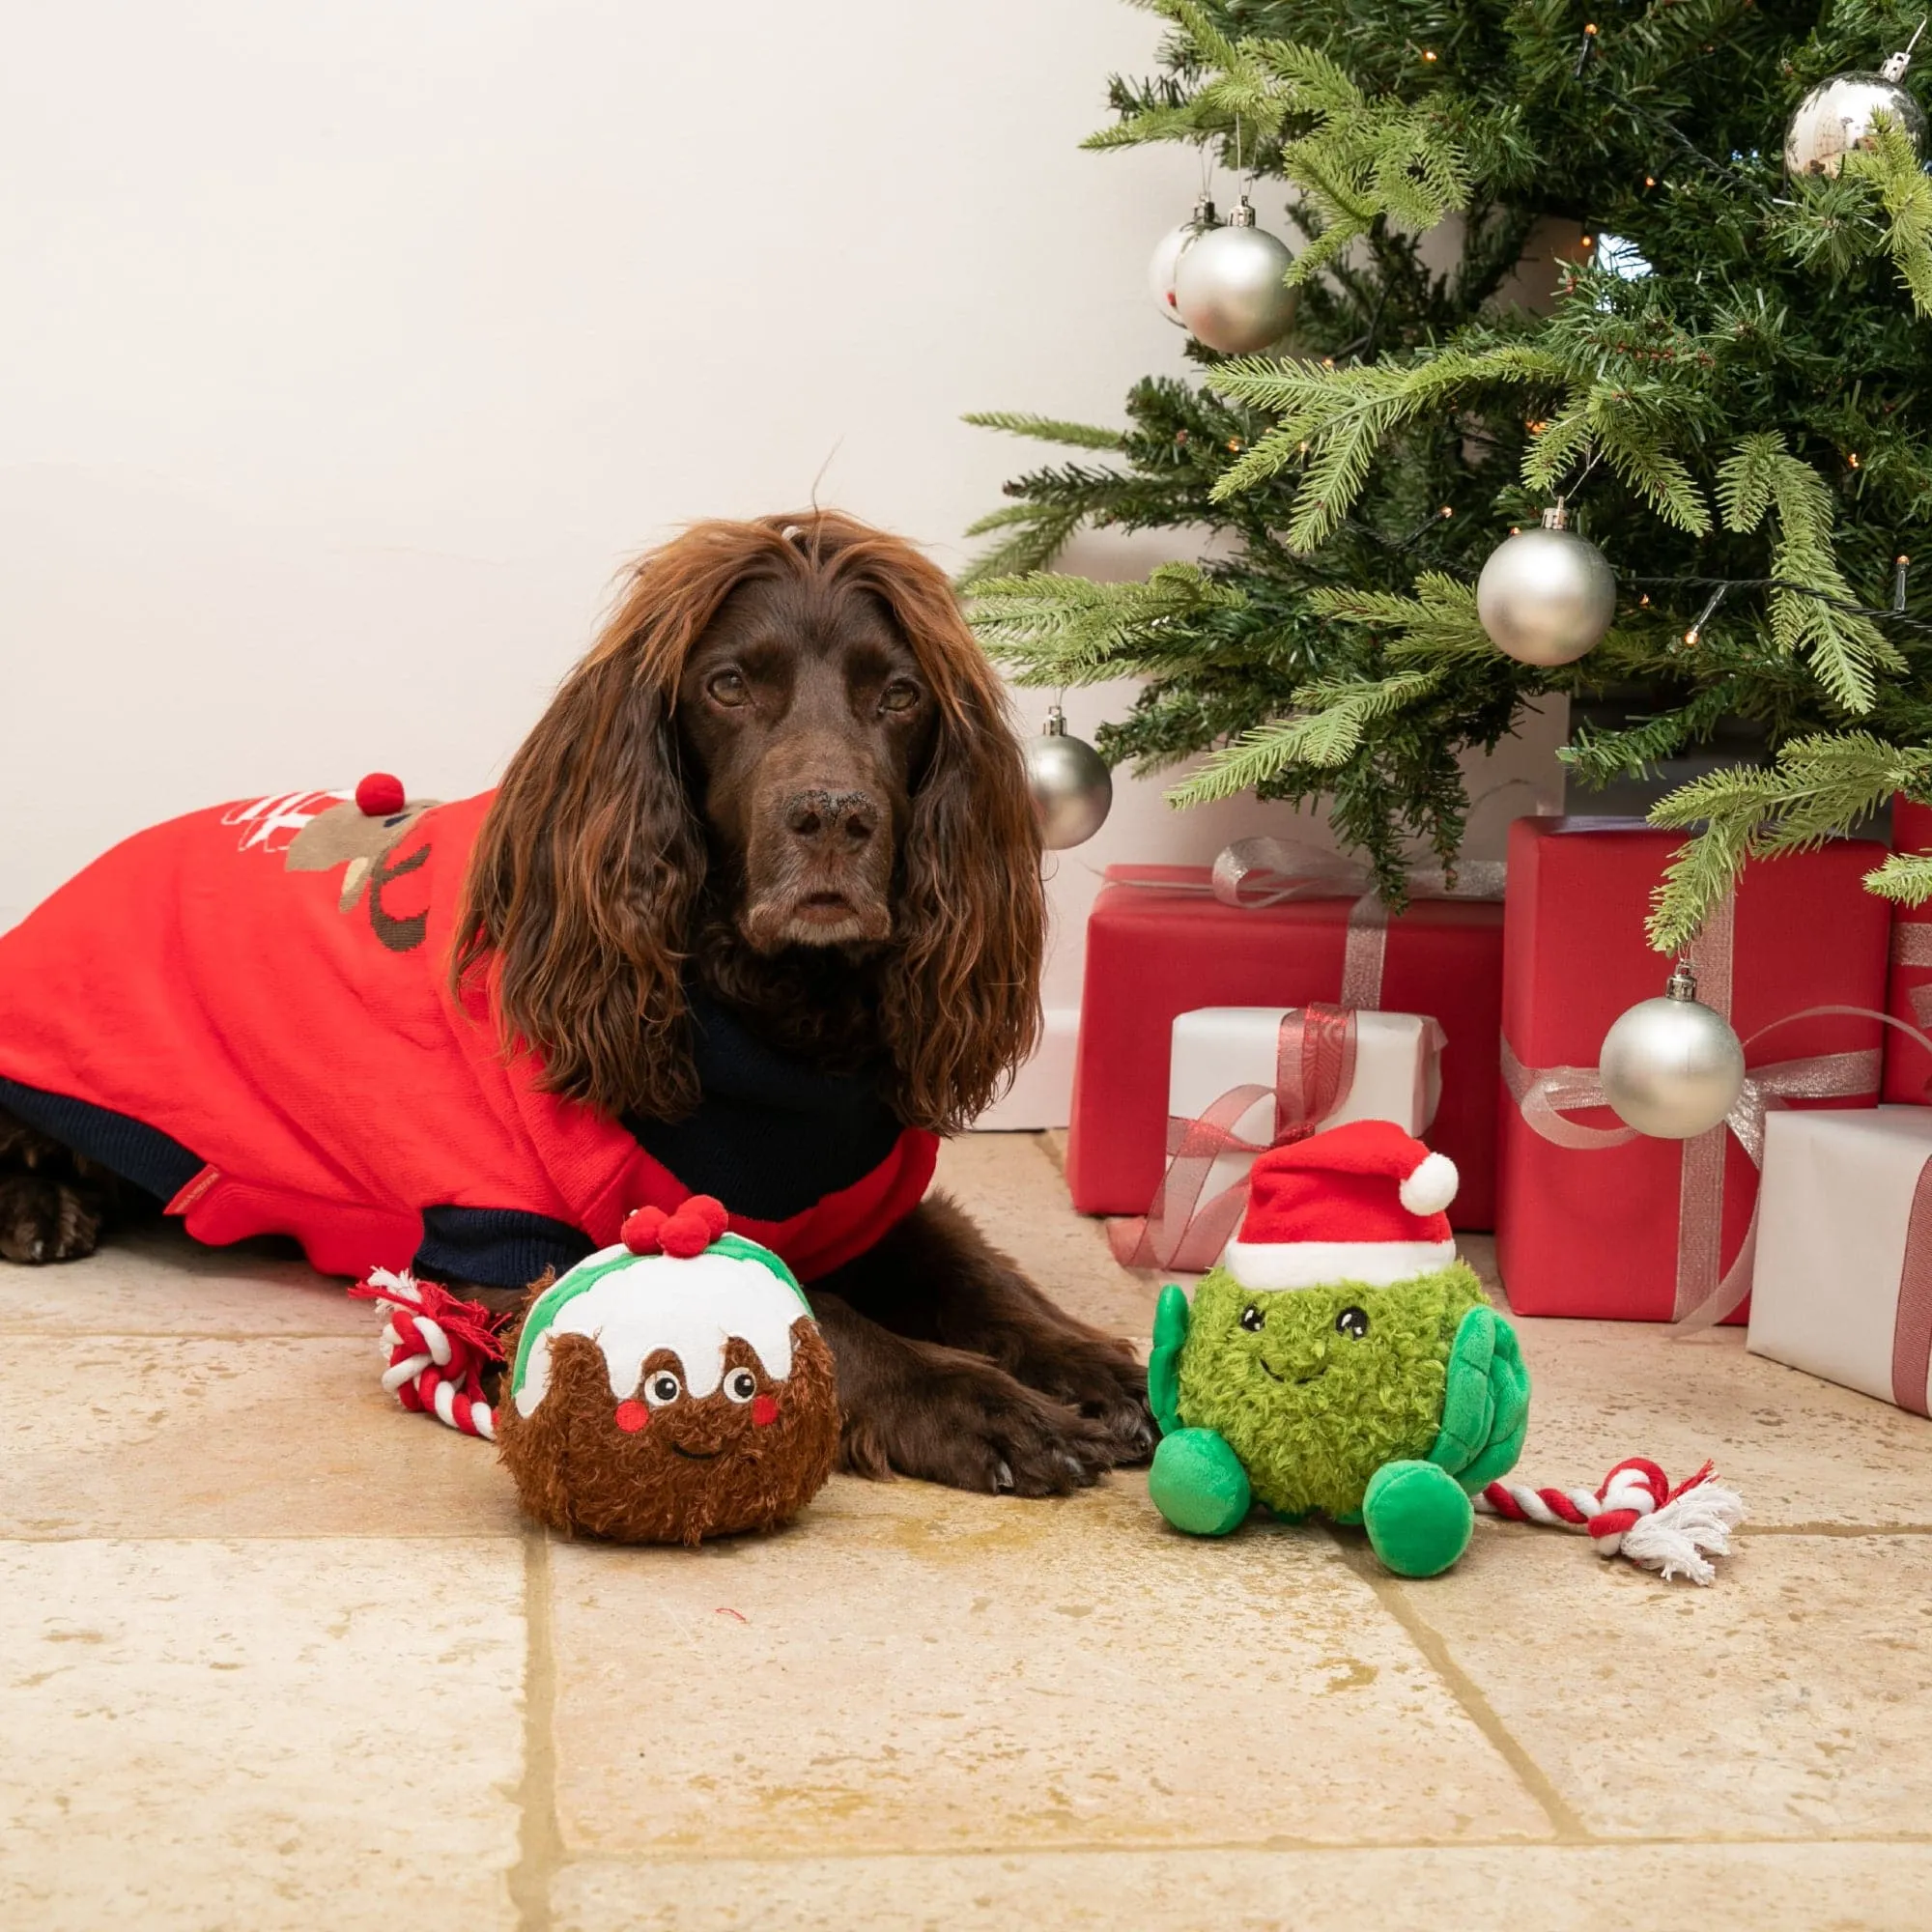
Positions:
{"x": 662, "y": 1389}
{"x": 728, "y": 687}
{"x": 741, "y": 1385}
{"x": 901, "y": 694}
{"x": 1352, "y": 1322}
{"x": 1251, "y": 1319}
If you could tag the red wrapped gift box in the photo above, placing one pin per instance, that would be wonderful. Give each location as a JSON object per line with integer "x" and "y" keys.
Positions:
{"x": 1907, "y": 1067}
{"x": 1644, "y": 1232}
{"x": 1152, "y": 954}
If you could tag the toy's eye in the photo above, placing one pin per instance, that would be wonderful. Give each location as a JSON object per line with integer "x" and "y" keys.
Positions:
{"x": 1352, "y": 1322}
{"x": 741, "y": 1385}
{"x": 1251, "y": 1319}
{"x": 662, "y": 1389}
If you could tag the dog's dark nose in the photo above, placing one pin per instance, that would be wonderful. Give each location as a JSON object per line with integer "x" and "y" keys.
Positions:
{"x": 832, "y": 821}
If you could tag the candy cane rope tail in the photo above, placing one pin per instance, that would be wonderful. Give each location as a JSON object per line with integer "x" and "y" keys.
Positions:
{"x": 1637, "y": 1514}
{"x": 437, "y": 1344}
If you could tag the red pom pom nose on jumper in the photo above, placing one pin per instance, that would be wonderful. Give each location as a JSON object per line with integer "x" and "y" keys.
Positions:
{"x": 380, "y": 795}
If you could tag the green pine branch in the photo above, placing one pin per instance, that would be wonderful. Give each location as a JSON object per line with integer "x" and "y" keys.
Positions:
{"x": 1816, "y": 788}
{"x": 1439, "y": 619}
{"x": 1033, "y": 535}
{"x": 1599, "y": 758}
{"x": 1846, "y": 651}
{"x": 1070, "y": 630}
{"x": 1896, "y": 169}
{"x": 1325, "y": 735}
{"x": 1048, "y": 429}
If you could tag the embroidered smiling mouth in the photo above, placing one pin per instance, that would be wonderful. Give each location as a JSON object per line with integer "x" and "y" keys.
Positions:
{"x": 1300, "y": 1382}
{"x": 697, "y": 1455}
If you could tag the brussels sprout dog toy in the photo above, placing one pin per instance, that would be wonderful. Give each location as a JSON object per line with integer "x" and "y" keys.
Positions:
{"x": 1342, "y": 1359}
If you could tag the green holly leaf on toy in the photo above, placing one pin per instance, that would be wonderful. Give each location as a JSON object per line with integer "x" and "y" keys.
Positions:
{"x": 1341, "y": 1358}
{"x": 673, "y": 1387}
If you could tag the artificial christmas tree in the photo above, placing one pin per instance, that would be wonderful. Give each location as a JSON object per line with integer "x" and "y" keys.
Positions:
{"x": 1727, "y": 397}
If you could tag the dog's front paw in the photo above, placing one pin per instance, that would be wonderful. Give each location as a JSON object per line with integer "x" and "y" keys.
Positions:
{"x": 1102, "y": 1377}
{"x": 973, "y": 1427}
{"x": 46, "y": 1220}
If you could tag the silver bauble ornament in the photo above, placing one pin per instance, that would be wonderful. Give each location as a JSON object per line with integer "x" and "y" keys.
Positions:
{"x": 1073, "y": 789}
{"x": 1836, "y": 118}
{"x": 1229, "y": 288}
{"x": 1167, "y": 254}
{"x": 1545, "y": 596}
{"x": 1672, "y": 1067}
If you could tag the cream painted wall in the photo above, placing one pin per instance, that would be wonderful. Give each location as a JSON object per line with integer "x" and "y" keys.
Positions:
{"x": 350, "y": 350}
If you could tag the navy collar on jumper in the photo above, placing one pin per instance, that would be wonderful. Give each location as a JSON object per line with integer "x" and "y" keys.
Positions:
{"x": 769, "y": 1136}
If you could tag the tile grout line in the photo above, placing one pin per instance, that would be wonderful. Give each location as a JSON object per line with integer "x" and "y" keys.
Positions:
{"x": 1283, "y": 1848}
{"x": 1568, "y": 1827}
{"x": 539, "y": 1836}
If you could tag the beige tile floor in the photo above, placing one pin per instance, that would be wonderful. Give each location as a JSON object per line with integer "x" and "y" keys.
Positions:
{"x": 277, "y": 1655}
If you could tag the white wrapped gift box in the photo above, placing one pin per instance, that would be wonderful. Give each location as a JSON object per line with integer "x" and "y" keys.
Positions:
{"x": 1842, "y": 1287}
{"x": 1215, "y": 1049}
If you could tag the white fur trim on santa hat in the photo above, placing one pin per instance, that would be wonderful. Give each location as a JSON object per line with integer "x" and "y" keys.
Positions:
{"x": 1268, "y": 1264}
{"x": 1432, "y": 1186}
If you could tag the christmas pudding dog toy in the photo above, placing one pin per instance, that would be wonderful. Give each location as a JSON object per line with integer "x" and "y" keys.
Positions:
{"x": 670, "y": 1388}
{"x": 1342, "y": 1359}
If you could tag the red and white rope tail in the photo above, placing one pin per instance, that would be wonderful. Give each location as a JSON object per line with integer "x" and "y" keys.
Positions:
{"x": 437, "y": 1344}
{"x": 1637, "y": 1514}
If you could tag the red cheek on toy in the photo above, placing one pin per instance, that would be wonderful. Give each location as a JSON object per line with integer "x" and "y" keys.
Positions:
{"x": 632, "y": 1416}
{"x": 764, "y": 1412}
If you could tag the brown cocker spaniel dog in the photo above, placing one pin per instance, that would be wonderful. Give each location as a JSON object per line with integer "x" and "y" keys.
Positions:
{"x": 782, "y": 788}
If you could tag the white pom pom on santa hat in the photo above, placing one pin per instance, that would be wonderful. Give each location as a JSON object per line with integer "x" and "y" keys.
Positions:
{"x": 1431, "y": 1185}
{"x": 1362, "y": 1202}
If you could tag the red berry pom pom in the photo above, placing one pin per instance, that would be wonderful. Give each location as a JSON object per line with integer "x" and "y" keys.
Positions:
{"x": 685, "y": 1236}
{"x": 711, "y": 1211}
{"x": 642, "y": 1229}
{"x": 380, "y": 795}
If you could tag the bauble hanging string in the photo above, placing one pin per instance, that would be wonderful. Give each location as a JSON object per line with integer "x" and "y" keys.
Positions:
{"x": 1230, "y": 284}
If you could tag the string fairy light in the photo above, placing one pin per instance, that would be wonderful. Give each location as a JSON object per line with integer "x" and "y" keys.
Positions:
{"x": 1705, "y": 615}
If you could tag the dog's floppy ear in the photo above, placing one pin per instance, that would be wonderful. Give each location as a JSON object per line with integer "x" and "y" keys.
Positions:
{"x": 961, "y": 995}
{"x": 581, "y": 890}
{"x": 580, "y": 898}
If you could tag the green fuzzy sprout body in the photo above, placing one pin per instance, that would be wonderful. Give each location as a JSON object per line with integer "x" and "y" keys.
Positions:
{"x": 1388, "y": 1407}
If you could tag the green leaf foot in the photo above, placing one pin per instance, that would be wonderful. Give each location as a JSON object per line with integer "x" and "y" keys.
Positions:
{"x": 1198, "y": 1484}
{"x": 1417, "y": 1516}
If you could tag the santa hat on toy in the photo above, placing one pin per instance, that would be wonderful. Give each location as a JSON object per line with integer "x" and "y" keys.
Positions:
{"x": 1361, "y": 1203}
